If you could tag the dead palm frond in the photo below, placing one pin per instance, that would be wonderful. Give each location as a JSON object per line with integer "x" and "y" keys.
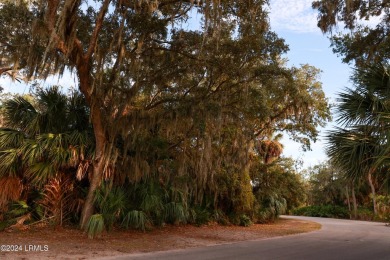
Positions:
{"x": 57, "y": 198}
{"x": 269, "y": 150}
{"x": 11, "y": 189}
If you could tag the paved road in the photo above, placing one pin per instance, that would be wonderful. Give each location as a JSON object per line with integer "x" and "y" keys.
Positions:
{"x": 338, "y": 239}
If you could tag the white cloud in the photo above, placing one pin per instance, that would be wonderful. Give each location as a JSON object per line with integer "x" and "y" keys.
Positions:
{"x": 293, "y": 15}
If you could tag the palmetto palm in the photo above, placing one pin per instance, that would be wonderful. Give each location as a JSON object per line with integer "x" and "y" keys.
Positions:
{"x": 45, "y": 135}
{"x": 364, "y": 111}
{"x": 355, "y": 151}
{"x": 270, "y": 149}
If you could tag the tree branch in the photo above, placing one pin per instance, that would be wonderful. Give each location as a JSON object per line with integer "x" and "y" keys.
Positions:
{"x": 4, "y": 69}
{"x": 98, "y": 27}
{"x": 131, "y": 4}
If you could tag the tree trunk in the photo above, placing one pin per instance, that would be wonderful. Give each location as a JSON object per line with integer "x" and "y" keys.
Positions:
{"x": 354, "y": 201}
{"x": 372, "y": 192}
{"x": 100, "y": 143}
{"x": 347, "y": 196}
{"x": 98, "y": 164}
{"x": 82, "y": 58}
{"x": 94, "y": 184}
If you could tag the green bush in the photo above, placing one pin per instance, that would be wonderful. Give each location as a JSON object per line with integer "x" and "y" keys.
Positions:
{"x": 245, "y": 221}
{"x": 200, "y": 216}
{"x": 271, "y": 208}
{"x": 325, "y": 211}
{"x": 136, "y": 219}
{"x": 95, "y": 226}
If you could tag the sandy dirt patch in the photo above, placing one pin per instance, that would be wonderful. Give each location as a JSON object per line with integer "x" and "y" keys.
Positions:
{"x": 71, "y": 243}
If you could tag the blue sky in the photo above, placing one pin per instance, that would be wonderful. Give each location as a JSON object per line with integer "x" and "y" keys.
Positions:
{"x": 295, "y": 21}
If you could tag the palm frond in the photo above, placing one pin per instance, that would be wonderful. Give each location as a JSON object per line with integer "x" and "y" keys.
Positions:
{"x": 11, "y": 189}
{"x": 368, "y": 103}
{"x": 95, "y": 226}
{"x": 353, "y": 150}
{"x": 19, "y": 113}
{"x": 151, "y": 203}
{"x": 56, "y": 198}
{"x": 31, "y": 152}
{"x": 53, "y": 108}
{"x": 10, "y": 162}
{"x": 10, "y": 138}
{"x": 41, "y": 172}
{"x": 111, "y": 202}
{"x": 175, "y": 212}
{"x": 136, "y": 219}
{"x": 19, "y": 208}
{"x": 78, "y": 112}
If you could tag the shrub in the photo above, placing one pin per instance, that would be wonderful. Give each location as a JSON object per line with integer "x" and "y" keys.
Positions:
{"x": 95, "y": 225}
{"x": 136, "y": 219}
{"x": 325, "y": 211}
{"x": 365, "y": 214}
{"x": 245, "y": 221}
{"x": 200, "y": 216}
{"x": 271, "y": 208}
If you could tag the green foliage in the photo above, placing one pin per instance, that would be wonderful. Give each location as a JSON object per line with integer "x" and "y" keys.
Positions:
{"x": 174, "y": 212}
{"x": 139, "y": 206}
{"x": 277, "y": 187}
{"x": 236, "y": 194}
{"x": 200, "y": 216}
{"x": 367, "y": 44}
{"x": 245, "y": 221}
{"x": 383, "y": 207}
{"x": 360, "y": 148}
{"x": 271, "y": 208}
{"x": 44, "y": 135}
{"x": 366, "y": 214}
{"x": 325, "y": 211}
{"x": 18, "y": 209}
{"x": 95, "y": 226}
{"x": 136, "y": 219}
{"x": 29, "y": 211}
{"x": 110, "y": 203}
{"x": 174, "y": 111}
{"x": 326, "y": 185}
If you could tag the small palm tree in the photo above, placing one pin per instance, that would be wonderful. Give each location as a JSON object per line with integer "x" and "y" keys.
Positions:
{"x": 355, "y": 151}
{"x": 45, "y": 135}
{"x": 270, "y": 149}
{"x": 364, "y": 113}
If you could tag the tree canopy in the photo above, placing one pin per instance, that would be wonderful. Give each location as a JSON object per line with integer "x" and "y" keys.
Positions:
{"x": 363, "y": 43}
{"x": 165, "y": 100}
{"x": 361, "y": 146}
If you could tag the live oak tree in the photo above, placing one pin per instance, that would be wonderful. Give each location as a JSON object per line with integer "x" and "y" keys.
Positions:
{"x": 159, "y": 92}
{"x": 362, "y": 43}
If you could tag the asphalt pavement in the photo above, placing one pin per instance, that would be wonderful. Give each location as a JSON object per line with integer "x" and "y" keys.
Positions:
{"x": 337, "y": 239}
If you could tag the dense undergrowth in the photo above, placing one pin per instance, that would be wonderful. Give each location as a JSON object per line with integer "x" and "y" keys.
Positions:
{"x": 337, "y": 211}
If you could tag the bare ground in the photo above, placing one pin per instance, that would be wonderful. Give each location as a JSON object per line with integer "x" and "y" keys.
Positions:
{"x": 69, "y": 243}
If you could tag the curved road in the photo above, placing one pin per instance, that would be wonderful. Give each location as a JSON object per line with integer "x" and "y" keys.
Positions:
{"x": 338, "y": 239}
